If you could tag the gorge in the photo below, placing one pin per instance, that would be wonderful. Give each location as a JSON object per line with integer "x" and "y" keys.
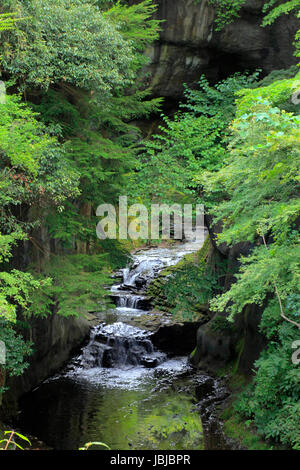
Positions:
{"x": 150, "y": 344}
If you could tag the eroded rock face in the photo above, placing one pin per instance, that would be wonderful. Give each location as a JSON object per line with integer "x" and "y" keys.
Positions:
{"x": 219, "y": 342}
{"x": 55, "y": 338}
{"x": 189, "y": 45}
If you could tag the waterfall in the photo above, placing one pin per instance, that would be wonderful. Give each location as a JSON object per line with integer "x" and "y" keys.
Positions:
{"x": 120, "y": 345}
{"x": 130, "y": 301}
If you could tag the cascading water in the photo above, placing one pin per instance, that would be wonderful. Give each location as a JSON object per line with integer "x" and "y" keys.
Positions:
{"x": 134, "y": 302}
{"x": 145, "y": 266}
{"x": 120, "y": 389}
{"x": 119, "y": 345}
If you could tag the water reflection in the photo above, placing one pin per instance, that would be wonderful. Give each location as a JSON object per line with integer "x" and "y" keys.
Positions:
{"x": 132, "y": 409}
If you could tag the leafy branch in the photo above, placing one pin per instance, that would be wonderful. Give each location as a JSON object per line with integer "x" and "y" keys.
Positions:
{"x": 11, "y": 441}
{"x": 279, "y": 298}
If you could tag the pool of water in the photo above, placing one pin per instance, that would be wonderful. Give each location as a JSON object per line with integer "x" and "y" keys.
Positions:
{"x": 127, "y": 408}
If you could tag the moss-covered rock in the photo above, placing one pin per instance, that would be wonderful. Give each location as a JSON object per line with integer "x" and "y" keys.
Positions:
{"x": 157, "y": 289}
{"x": 237, "y": 344}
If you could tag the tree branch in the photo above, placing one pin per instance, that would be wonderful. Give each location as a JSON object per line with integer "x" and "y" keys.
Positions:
{"x": 279, "y": 299}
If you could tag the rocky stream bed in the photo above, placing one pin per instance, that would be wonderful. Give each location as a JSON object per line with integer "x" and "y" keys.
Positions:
{"x": 131, "y": 386}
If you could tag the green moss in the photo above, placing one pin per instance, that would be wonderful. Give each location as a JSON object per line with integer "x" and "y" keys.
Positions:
{"x": 238, "y": 430}
{"x": 220, "y": 324}
{"x": 237, "y": 382}
{"x": 156, "y": 288}
{"x": 203, "y": 253}
{"x": 185, "y": 289}
{"x": 225, "y": 371}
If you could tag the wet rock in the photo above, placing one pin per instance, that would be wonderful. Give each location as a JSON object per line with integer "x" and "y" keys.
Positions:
{"x": 97, "y": 355}
{"x": 140, "y": 282}
{"x": 204, "y": 387}
{"x": 211, "y": 392}
{"x": 120, "y": 344}
{"x": 117, "y": 275}
{"x": 149, "y": 361}
{"x": 219, "y": 342}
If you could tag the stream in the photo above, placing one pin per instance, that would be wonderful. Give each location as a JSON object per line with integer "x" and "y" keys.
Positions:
{"x": 120, "y": 389}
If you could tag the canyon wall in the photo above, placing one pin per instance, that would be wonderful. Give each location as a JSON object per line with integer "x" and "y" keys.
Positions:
{"x": 189, "y": 45}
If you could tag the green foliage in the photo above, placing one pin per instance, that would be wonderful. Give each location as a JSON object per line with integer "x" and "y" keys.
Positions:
{"x": 276, "y": 75}
{"x": 27, "y": 173}
{"x": 80, "y": 47}
{"x": 99, "y": 146}
{"x": 32, "y": 170}
{"x": 32, "y": 163}
{"x": 10, "y": 441}
{"x": 16, "y": 289}
{"x": 73, "y": 61}
{"x": 21, "y": 135}
{"x": 272, "y": 400}
{"x": 77, "y": 287}
{"x": 252, "y": 188}
{"x": 16, "y": 348}
{"x": 218, "y": 100}
{"x": 260, "y": 205}
{"x": 261, "y": 180}
{"x": 195, "y": 140}
{"x": 190, "y": 288}
{"x": 234, "y": 146}
{"x": 78, "y": 282}
{"x": 98, "y": 140}
{"x": 7, "y": 21}
{"x": 236, "y": 428}
{"x": 226, "y": 11}
{"x": 278, "y": 94}
{"x": 84, "y": 64}
{"x": 68, "y": 148}
{"x": 274, "y": 9}
{"x": 257, "y": 276}
{"x": 137, "y": 26}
